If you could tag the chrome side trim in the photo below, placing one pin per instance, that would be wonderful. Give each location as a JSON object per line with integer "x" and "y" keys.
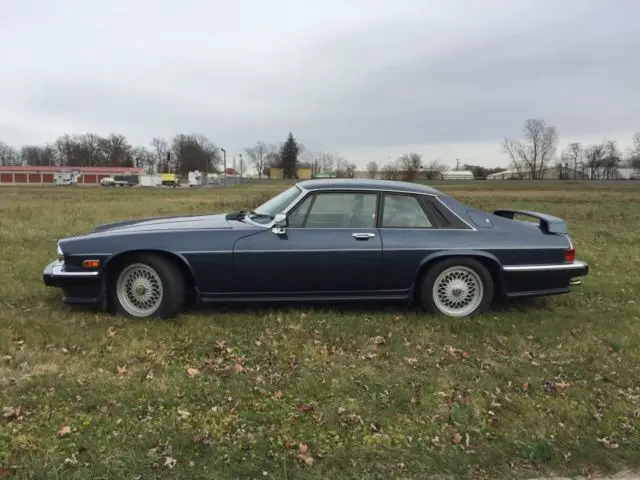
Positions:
{"x": 548, "y": 267}
{"x": 59, "y": 271}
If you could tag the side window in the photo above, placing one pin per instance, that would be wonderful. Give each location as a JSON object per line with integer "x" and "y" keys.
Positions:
{"x": 296, "y": 218}
{"x": 343, "y": 210}
{"x": 403, "y": 211}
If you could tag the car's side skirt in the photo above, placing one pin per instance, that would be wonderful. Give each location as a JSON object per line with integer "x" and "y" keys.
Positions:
{"x": 386, "y": 295}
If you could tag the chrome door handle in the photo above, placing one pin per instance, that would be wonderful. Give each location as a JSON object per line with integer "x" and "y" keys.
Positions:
{"x": 363, "y": 236}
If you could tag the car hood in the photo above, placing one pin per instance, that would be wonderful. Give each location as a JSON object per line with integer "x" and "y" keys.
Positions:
{"x": 188, "y": 222}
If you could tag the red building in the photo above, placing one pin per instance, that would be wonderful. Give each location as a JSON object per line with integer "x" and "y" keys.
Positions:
{"x": 41, "y": 175}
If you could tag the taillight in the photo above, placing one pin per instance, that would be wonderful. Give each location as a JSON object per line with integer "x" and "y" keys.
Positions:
{"x": 569, "y": 255}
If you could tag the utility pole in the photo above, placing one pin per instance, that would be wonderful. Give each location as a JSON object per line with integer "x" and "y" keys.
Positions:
{"x": 224, "y": 157}
{"x": 457, "y": 164}
{"x": 241, "y": 165}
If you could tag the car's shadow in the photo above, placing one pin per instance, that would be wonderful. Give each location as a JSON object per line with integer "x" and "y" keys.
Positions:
{"x": 499, "y": 306}
{"x": 351, "y": 308}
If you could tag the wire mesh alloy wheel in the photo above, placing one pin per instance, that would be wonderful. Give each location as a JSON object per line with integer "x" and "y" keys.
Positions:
{"x": 139, "y": 290}
{"x": 458, "y": 291}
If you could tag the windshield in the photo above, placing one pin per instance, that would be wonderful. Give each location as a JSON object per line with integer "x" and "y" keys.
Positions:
{"x": 265, "y": 212}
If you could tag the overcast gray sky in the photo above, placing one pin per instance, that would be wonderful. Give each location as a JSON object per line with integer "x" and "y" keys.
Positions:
{"x": 369, "y": 79}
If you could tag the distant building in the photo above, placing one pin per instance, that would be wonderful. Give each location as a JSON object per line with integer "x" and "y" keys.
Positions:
{"x": 17, "y": 174}
{"x": 567, "y": 173}
{"x": 303, "y": 173}
{"x": 457, "y": 175}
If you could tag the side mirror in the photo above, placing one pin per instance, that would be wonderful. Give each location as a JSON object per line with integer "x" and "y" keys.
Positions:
{"x": 279, "y": 224}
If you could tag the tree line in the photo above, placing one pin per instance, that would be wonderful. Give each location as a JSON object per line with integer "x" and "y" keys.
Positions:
{"x": 182, "y": 154}
{"x": 188, "y": 152}
{"x": 529, "y": 157}
{"x": 532, "y": 156}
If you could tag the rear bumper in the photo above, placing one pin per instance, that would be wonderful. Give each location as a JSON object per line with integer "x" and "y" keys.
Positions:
{"x": 540, "y": 280}
{"x": 575, "y": 269}
{"x": 83, "y": 288}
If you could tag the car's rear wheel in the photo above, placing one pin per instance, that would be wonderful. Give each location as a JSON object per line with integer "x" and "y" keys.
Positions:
{"x": 457, "y": 287}
{"x": 148, "y": 286}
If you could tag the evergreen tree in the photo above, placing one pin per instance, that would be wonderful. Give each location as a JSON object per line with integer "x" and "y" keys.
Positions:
{"x": 289, "y": 157}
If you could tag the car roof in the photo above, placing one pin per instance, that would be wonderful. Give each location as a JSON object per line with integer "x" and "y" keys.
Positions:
{"x": 368, "y": 184}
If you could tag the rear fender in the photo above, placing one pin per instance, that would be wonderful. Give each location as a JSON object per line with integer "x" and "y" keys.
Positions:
{"x": 488, "y": 260}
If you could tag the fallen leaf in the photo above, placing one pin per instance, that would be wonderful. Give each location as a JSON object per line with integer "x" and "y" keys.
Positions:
{"x": 121, "y": 371}
{"x": 66, "y": 430}
{"x": 192, "y": 372}
{"x": 306, "y": 407}
{"x": 169, "y": 462}
{"x": 304, "y": 448}
{"x": 238, "y": 368}
{"x": 111, "y": 332}
{"x": 457, "y": 438}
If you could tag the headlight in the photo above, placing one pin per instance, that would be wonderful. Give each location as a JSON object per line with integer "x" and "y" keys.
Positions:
{"x": 60, "y": 254}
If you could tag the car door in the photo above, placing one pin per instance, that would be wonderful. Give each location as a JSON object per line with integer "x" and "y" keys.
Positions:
{"x": 408, "y": 234}
{"x": 331, "y": 246}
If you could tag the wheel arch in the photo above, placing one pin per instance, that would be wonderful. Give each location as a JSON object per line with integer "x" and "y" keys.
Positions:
{"x": 488, "y": 260}
{"x": 177, "y": 259}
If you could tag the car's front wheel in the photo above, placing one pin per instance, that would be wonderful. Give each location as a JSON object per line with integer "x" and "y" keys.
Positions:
{"x": 148, "y": 286}
{"x": 457, "y": 287}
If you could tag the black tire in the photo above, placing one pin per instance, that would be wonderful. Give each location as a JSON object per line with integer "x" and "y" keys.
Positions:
{"x": 465, "y": 266}
{"x": 169, "y": 276}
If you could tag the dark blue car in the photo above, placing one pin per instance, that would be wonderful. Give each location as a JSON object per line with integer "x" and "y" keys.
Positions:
{"x": 322, "y": 240}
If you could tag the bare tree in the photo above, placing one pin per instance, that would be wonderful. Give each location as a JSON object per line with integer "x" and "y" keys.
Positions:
{"x": 160, "y": 148}
{"x": 273, "y": 158}
{"x": 410, "y": 164}
{"x": 391, "y": 170}
{"x": 90, "y": 144}
{"x": 372, "y": 169}
{"x": 594, "y": 159}
{"x": 258, "y": 156}
{"x": 434, "y": 170}
{"x": 143, "y": 158}
{"x": 572, "y": 157}
{"x": 116, "y": 151}
{"x": 612, "y": 160}
{"x": 193, "y": 152}
{"x": 532, "y": 155}
{"x": 8, "y": 154}
{"x": 343, "y": 169}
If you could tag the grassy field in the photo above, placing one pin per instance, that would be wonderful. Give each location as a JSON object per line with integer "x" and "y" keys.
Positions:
{"x": 549, "y": 385}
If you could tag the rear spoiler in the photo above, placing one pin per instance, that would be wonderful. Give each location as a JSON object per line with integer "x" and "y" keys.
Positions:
{"x": 548, "y": 223}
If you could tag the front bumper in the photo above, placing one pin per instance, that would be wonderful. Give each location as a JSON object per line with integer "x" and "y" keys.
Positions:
{"x": 78, "y": 287}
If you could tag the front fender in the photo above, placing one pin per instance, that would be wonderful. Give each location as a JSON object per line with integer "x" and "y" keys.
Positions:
{"x": 167, "y": 253}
